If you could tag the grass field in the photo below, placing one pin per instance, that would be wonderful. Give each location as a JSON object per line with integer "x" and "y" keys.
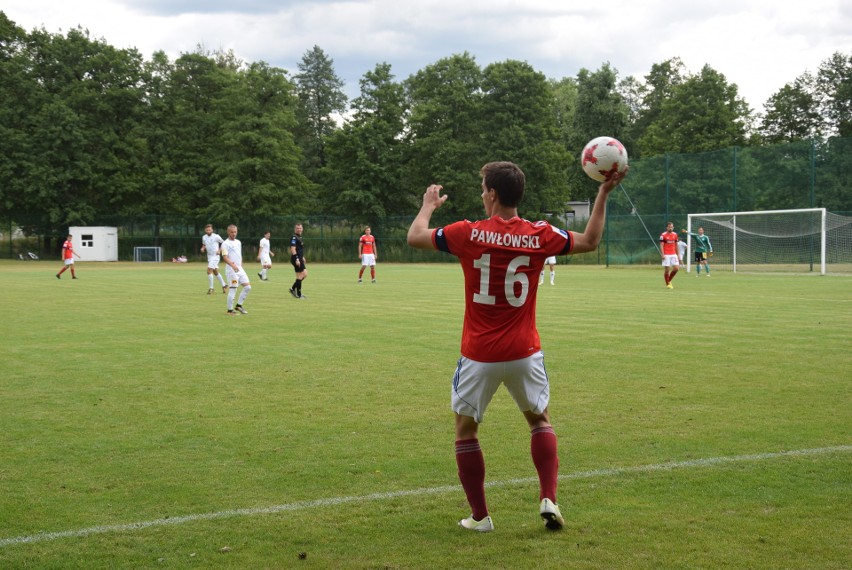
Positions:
{"x": 141, "y": 427}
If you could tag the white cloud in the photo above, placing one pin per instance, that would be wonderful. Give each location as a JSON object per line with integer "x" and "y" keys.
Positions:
{"x": 759, "y": 45}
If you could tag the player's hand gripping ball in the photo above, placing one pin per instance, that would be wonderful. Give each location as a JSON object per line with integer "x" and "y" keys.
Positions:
{"x": 603, "y": 157}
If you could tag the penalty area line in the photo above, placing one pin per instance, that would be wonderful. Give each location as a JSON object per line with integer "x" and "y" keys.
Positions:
{"x": 320, "y": 503}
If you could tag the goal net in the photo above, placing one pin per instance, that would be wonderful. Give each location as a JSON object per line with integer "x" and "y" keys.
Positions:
{"x": 805, "y": 240}
{"x": 148, "y": 254}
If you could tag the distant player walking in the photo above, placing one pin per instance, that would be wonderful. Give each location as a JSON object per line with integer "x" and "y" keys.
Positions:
{"x": 210, "y": 244}
{"x": 264, "y": 255}
{"x": 232, "y": 255}
{"x": 501, "y": 258}
{"x": 367, "y": 253}
{"x": 550, "y": 262}
{"x": 297, "y": 260}
{"x": 68, "y": 254}
{"x": 668, "y": 251}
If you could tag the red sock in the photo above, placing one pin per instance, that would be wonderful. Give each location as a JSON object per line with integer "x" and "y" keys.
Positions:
{"x": 543, "y": 449}
{"x": 471, "y": 464}
{"x": 672, "y": 274}
{"x": 666, "y": 277}
{"x": 373, "y": 272}
{"x": 361, "y": 273}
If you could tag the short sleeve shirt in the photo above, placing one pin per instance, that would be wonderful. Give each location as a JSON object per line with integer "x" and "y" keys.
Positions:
{"x": 669, "y": 241}
{"x": 264, "y": 247}
{"x": 367, "y": 242}
{"x": 233, "y": 250}
{"x": 211, "y": 244}
{"x": 501, "y": 260}
{"x": 296, "y": 242}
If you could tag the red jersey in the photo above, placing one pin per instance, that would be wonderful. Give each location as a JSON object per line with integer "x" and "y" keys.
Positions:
{"x": 367, "y": 242}
{"x": 67, "y": 250}
{"x": 501, "y": 260}
{"x": 669, "y": 241}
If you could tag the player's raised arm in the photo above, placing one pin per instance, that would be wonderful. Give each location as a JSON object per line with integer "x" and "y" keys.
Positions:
{"x": 591, "y": 237}
{"x": 419, "y": 234}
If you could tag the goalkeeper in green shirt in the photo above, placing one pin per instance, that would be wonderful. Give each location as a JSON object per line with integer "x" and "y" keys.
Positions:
{"x": 703, "y": 250}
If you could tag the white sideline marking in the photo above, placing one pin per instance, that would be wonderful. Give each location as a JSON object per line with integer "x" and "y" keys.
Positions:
{"x": 305, "y": 505}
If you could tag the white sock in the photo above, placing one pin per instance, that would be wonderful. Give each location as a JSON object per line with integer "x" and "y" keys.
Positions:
{"x": 552, "y": 276}
{"x": 244, "y": 294}
{"x": 210, "y": 281}
{"x": 221, "y": 280}
{"x": 232, "y": 292}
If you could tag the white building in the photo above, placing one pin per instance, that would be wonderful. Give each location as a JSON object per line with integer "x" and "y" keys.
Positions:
{"x": 95, "y": 243}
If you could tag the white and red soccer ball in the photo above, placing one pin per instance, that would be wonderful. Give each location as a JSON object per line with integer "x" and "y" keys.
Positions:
{"x": 603, "y": 157}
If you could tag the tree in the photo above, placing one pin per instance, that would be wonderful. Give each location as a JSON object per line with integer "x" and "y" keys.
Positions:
{"x": 703, "y": 113}
{"x": 365, "y": 167}
{"x": 792, "y": 113}
{"x": 79, "y": 129}
{"x": 645, "y": 100}
{"x": 518, "y": 124}
{"x": 600, "y": 108}
{"x": 320, "y": 94}
{"x": 196, "y": 94}
{"x": 256, "y": 172}
{"x": 445, "y": 132}
{"x": 834, "y": 84}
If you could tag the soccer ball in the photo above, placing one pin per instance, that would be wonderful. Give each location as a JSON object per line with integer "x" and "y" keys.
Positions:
{"x": 603, "y": 157}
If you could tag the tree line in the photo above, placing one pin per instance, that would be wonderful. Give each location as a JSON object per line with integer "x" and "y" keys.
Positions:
{"x": 88, "y": 130}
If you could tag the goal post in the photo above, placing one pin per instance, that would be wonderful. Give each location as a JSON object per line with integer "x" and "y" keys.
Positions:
{"x": 803, "y": 240}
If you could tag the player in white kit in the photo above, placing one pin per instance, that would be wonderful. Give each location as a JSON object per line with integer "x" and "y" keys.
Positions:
{"x": 264, "y": 256}
{"x": 210, "y": 243}
{"x": 232, "y": 255}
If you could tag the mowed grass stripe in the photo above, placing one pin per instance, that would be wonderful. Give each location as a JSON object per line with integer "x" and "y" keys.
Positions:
{"x": 337, "y": 501}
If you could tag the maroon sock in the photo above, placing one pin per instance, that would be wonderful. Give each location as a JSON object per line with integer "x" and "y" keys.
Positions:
{"x": 543, "y": 448}
{"x": 471, "y": 464}
{"x": 672, "y": 274}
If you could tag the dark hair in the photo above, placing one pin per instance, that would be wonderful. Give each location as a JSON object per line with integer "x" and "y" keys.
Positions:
{"x": 507, "y": 179}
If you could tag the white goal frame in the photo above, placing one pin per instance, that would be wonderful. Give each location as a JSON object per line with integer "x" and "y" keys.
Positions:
{"x": 155, "y": 250}
{"x": 733, "y": 228}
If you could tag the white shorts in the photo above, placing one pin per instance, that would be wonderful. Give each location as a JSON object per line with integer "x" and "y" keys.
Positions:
{"x": 475, "y": 383}
{"x": 213, "y": 261}
{"x": 265, "y": 260}
{"x": 670, "y": 261}
{"x": 550, "y": 260}
{"x": 236, "y": 278}
{"x": 69, "y": 261}
{"x": 368, "y": 259}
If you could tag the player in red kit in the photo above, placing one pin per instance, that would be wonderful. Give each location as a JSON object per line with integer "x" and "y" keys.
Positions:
{"x": 68, "y": 254}
{"x": 367, "y": 253}
{"x": 501, "y": 258}
{"x": 668, "y": 250}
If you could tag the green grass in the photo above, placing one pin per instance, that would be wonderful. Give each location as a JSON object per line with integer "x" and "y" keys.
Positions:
{"x": 129, "y": 397}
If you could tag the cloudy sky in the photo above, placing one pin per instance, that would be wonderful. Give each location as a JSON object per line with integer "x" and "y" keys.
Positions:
{"x": 758, "y": 44}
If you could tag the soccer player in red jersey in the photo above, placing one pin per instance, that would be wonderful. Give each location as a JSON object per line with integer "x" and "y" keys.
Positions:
{"x": 501, "y": 258}
{"x": 668, "y": 250}
{"x": 68, "y": 254}
{"x": 367, "y": 253}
